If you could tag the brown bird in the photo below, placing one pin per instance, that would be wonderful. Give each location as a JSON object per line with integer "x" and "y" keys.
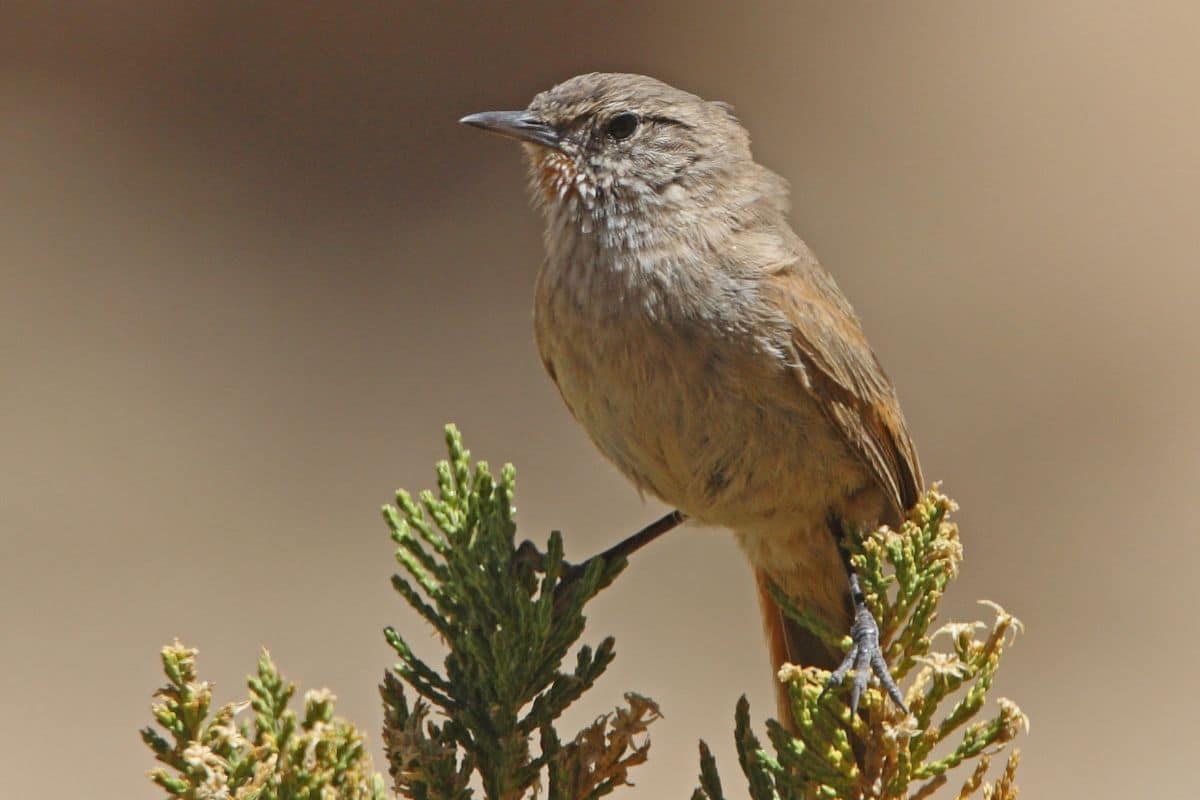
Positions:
{"x": 705, "y": 350}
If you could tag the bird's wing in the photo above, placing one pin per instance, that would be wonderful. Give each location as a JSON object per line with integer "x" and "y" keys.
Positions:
{"x": 835, "y": 364}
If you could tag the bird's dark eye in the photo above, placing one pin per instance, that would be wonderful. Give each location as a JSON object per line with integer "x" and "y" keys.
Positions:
{"x": 622, "y": 126}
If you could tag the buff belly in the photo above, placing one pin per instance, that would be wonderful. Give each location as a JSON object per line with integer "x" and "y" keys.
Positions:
{"x": 720, "y": 429}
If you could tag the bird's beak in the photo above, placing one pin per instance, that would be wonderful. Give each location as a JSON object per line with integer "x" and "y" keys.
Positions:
{"x": 519, "y": 125}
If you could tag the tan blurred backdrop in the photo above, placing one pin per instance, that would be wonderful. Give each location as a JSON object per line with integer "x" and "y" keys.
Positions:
{"x": 249, "y": 265}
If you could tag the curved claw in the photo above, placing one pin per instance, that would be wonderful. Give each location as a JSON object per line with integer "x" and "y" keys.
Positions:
{"x": 839, "y": 674}
{"x": 880, "y": 668}
{"x": 864, "y": 656}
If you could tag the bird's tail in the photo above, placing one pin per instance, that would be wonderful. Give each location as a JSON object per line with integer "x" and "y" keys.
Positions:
{"x": 789, "y": 643}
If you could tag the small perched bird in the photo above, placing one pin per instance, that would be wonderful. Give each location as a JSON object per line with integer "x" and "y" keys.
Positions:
{"x": 705, "y": 350}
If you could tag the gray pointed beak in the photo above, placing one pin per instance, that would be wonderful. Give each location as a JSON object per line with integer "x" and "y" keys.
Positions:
{"x": 519, "y": 125}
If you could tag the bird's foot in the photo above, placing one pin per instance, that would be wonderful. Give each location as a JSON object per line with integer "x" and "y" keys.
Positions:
{"x": 865, "y": 655}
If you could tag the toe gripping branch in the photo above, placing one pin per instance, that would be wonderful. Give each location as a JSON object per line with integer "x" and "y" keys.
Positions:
{"x": 865, "y": 655}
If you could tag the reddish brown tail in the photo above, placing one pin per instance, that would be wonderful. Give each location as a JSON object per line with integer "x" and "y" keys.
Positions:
{"x": 788, "y": 643}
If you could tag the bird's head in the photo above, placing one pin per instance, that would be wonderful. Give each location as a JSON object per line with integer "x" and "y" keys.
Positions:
{"x": 615, "y": 151}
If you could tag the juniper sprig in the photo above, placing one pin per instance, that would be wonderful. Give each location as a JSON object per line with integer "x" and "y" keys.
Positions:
{"x": 880, "y": 752}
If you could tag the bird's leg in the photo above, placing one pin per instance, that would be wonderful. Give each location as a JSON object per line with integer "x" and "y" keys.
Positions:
{"x": 630, "y": 544}
{"x": 622, "y": 549}
{"x": 865, "y": 655}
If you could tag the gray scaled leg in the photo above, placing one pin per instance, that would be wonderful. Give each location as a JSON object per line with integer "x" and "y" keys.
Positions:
{"x": 865, "y": 655}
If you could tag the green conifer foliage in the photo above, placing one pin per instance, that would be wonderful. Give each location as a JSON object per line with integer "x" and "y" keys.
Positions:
{"x": 881, "y": 752}
{"x": 484, "y": 723}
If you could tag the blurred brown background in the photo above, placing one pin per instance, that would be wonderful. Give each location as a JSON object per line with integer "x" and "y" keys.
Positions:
{"x": 249, "y": 265}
